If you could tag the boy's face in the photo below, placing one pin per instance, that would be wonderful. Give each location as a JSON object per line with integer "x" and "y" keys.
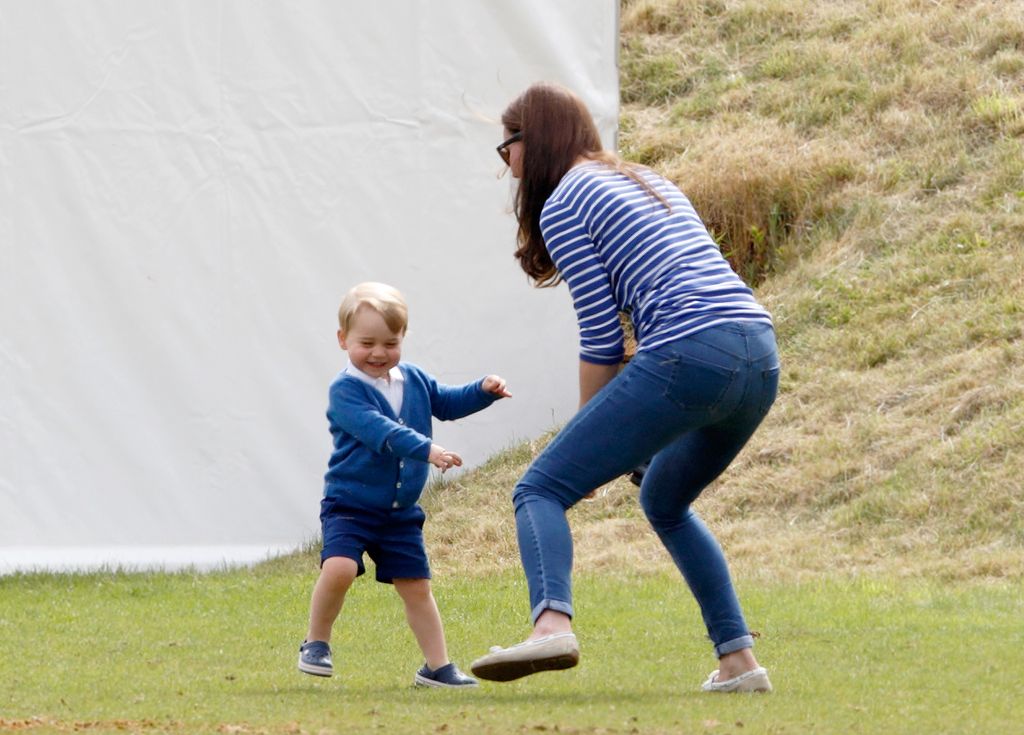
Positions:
{"x": 371, "y": 345}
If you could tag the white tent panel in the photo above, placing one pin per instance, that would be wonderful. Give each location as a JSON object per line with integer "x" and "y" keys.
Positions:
{"x": 189, "y": 188}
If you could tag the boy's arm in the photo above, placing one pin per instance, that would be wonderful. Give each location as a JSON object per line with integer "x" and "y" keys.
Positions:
{"x": 363, "y": 420}
{"x": 450, "y": 402}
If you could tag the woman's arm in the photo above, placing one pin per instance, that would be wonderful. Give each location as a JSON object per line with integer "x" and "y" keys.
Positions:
{"x": 594, "y": 377}
{"x": 576, "y": 257}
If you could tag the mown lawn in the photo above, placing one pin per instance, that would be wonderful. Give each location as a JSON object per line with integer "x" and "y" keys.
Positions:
{"x": 186, "y": 653}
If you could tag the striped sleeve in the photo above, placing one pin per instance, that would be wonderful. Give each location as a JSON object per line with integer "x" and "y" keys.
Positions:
{"x": 576, "y": 257}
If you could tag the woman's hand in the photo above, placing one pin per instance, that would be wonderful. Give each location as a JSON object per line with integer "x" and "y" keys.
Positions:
{"x": 442, "y": 458}
{"x": 495, "y": 384}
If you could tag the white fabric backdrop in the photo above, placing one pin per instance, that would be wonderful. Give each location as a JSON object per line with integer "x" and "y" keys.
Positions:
{"x": 186, "y": 191}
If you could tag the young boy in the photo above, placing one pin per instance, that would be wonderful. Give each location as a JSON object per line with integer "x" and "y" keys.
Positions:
{"x": 380, "y": 418}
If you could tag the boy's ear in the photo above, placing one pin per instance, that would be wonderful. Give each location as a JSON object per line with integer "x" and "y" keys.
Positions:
{"x": 341, "y": 340}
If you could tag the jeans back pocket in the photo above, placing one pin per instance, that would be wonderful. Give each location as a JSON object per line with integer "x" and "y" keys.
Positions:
{"x": 699, "y": 386}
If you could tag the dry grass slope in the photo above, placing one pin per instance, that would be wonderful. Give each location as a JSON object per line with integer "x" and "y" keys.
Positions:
{"x": 862, "y": 163}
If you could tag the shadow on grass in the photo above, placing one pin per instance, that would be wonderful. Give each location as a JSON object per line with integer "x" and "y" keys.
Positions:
{"x": 483, "y": 695}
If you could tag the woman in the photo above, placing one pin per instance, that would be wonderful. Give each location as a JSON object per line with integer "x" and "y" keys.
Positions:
{"x": 704, "y": 375}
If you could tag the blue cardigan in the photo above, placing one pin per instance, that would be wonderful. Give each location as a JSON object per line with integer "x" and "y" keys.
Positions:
{"x": 380, "y": 460}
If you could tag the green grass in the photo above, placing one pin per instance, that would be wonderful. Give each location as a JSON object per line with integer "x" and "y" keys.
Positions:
{"x": 216, "y": 653}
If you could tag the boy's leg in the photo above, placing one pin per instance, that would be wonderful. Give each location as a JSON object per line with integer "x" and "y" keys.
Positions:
{"x": 336, "y": 576}
{"x": 402, "y": 561}
{"x": 424, "y": 618}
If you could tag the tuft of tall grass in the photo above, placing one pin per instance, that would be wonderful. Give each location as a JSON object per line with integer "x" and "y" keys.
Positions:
{"x": 759, "y": 193}
{"x": 669, "y": 17}
{"x": 1000, "y": 112}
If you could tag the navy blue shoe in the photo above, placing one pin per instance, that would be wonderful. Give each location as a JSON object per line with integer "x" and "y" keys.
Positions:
{"x": 637, "y": 475}
{"x": 447, "y": 676}
{"x": 315, "y": 658}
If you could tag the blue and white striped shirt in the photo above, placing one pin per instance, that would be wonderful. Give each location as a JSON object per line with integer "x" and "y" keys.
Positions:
{"x": 620, "y": 249}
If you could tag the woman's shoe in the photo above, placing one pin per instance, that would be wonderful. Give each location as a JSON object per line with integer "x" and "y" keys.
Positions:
{"x": 550, "y": 653}
{"x": 755, "y": 680}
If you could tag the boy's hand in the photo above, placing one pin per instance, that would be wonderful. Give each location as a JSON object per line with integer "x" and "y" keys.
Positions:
{"x": 442, "y": 458}
{"x": 495, "y": 384}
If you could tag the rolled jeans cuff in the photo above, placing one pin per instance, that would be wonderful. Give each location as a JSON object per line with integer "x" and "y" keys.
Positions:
{"x": 557, "y": 605}
{"x": 736, "y": 644}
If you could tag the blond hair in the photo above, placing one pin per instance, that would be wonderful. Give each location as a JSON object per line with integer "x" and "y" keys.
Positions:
{"x": 384, "y": 299}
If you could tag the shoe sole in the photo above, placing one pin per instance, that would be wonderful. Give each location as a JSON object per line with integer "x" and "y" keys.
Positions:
{"x": 315, "y": 670}
{"x": 744, "y": 688}
{"x": 511, "y": 667}
{"x": 758, "y": 683}
{"x": 422, "y": 681}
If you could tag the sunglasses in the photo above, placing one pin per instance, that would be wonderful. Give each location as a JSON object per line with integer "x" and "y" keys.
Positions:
{"x": 503, "y": 148}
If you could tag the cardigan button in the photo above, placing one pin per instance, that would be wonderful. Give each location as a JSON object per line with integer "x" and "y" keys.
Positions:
{"x": 398, "y": 484}
{"x": 394, "y": 504}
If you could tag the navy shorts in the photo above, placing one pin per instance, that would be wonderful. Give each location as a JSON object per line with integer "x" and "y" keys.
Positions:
{"x": 392, "y": 538}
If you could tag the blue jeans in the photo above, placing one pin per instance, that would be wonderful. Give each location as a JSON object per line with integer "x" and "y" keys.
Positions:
{"x": 689, "y": 406}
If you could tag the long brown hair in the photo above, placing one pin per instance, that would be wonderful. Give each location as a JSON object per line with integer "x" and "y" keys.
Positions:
{"x": 557, "y": 129}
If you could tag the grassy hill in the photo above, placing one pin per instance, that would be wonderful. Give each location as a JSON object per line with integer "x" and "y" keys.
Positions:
{"x": 862, "y": 162}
